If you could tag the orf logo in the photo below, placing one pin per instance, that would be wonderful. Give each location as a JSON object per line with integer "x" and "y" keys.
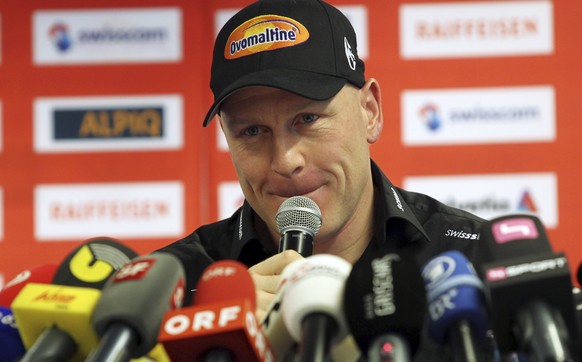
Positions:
{"x": 264, "y": 33}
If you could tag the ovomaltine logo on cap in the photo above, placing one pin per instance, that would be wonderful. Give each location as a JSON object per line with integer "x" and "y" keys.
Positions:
{"x": 263, "y": 33}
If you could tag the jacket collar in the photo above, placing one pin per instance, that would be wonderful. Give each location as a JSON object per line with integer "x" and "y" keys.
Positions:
{"x": 390, "y": 208}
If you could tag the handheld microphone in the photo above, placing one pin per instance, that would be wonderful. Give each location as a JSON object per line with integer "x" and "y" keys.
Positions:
{"x": 298, "y": 220}
{"x": 221, "y": 326}
{"x": 385, "y": 304}
{"x": 54, "y": 319}
{"x": 11, "y": 346}
{"x": 529, "y": 289}
{"x": 130, "y": 311}
{"x": 457, "y": 314}
{"x": 312, "y": 310}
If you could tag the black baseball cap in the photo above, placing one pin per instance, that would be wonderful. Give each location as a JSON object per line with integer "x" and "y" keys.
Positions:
{"x": 306, "y": 47}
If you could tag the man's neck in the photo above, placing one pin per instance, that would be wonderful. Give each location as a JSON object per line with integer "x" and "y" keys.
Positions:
{"x": 350, "y": 242}
{"x": 353, "y": 238}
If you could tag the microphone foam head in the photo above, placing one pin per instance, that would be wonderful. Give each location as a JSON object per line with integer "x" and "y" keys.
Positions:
{"x": 225, "y": 280}
{"x": 385, "y": 294}
{"x": 299, "y": 212}
{"x": 41, "y": 274}
{"x": 454, "y": 293}
{"x": 314, "y": 285}
{"x": 92, "y": 263}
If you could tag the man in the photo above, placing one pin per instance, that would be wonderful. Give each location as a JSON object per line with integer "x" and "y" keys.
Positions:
{"x": 299, "y": 117}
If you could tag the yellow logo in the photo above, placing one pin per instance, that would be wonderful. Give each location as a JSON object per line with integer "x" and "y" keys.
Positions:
{"x": 264, "y": 33}
{"x": 86, "y": 267}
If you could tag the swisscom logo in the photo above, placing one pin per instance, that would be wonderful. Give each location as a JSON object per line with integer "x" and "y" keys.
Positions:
{"x": 429, "y": 114}
{"x": 478, "y": 115}
{"x": 106, "y": 36}
{"x": 59, "y": 34}
{"x": 108, "y": 123}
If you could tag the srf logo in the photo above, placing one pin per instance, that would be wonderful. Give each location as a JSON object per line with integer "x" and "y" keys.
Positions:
{"x": 134, "y": 270}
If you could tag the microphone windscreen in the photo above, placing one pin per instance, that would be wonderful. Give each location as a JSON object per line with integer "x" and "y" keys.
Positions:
{"x": 518, "y": 266}
{"x": 11, "y": 347}
{"x": 39, "y": 307}
{"x": 454, "y": 293}
{"x": 299, "y": 213}
{"x": 40, "y": 274}
{"x": 512, "y": 236}
{"x": 225, "y": 280}
{"x": 385, "y": 294}
{"x": 93, "y": 262}
{"x": 138, "y": 295}
{"x": 222, "y": 318}
{"x": 314, "y": 285}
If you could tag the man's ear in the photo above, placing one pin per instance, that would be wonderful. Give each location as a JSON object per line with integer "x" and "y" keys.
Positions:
{"x": 371, "y": 102}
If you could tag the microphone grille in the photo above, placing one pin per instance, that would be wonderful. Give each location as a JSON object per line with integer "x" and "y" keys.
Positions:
{"x": 301, "y": 212}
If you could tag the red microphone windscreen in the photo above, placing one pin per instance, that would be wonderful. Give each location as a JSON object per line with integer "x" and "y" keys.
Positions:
{"x": 40, "y": 274}
{"x": 225, "y": 280}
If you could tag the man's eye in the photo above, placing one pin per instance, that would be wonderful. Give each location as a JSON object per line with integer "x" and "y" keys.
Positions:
{"x": 309, "y": 118}
{"x": 252, "y": 131}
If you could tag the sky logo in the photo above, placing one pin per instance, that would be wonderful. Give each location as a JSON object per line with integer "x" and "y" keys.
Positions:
{"x": 59, "y": 34}
{"x": 430, "y": 115}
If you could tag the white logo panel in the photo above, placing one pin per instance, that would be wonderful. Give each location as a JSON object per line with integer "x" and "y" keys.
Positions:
{"x": 478, "y": 115}
{"x": 230, "y": 198}
{"x": 494, "y": 195}
{"x": 120, "y": 123}
{"x": 128, "y": 210}
{"x": 1, "y": 127}
{"x": 1, "y": 214}
{"x": 107, "y": 36}
{"x": 476, "y": 29}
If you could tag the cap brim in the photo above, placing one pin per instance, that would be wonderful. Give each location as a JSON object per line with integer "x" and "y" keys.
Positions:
{"x": 310, "y": 85}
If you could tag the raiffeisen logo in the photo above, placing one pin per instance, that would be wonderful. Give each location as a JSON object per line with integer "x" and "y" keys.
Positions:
{"x": 430, "y": 115}
{"x": 264, "y": 33}
{"x": 59, "y": 34}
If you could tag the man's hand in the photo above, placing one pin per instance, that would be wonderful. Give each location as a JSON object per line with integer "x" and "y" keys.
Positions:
{"x": 266, "y": 275}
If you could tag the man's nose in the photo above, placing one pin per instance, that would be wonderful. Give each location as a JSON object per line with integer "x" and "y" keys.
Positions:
{"x": 286, "y": 158}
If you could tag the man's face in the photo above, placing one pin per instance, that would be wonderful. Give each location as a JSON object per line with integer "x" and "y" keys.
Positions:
{"x": 284, "y": 145}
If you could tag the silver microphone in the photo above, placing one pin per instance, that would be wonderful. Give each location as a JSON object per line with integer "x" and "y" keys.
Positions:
{"x": 298, "y": 220}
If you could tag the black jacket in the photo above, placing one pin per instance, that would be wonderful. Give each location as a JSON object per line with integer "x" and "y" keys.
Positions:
{"x": 403, "y": 220}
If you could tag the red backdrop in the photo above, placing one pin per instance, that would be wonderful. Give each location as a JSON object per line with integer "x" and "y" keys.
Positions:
{"x": 200, "y": 165}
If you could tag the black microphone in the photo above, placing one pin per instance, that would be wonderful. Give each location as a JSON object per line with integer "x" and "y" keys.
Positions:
{"x": 298, "y": 220}
{"x": 132, "y": 306}
{"x": 385, "y": 304}
{"x": 529, "y": 289}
